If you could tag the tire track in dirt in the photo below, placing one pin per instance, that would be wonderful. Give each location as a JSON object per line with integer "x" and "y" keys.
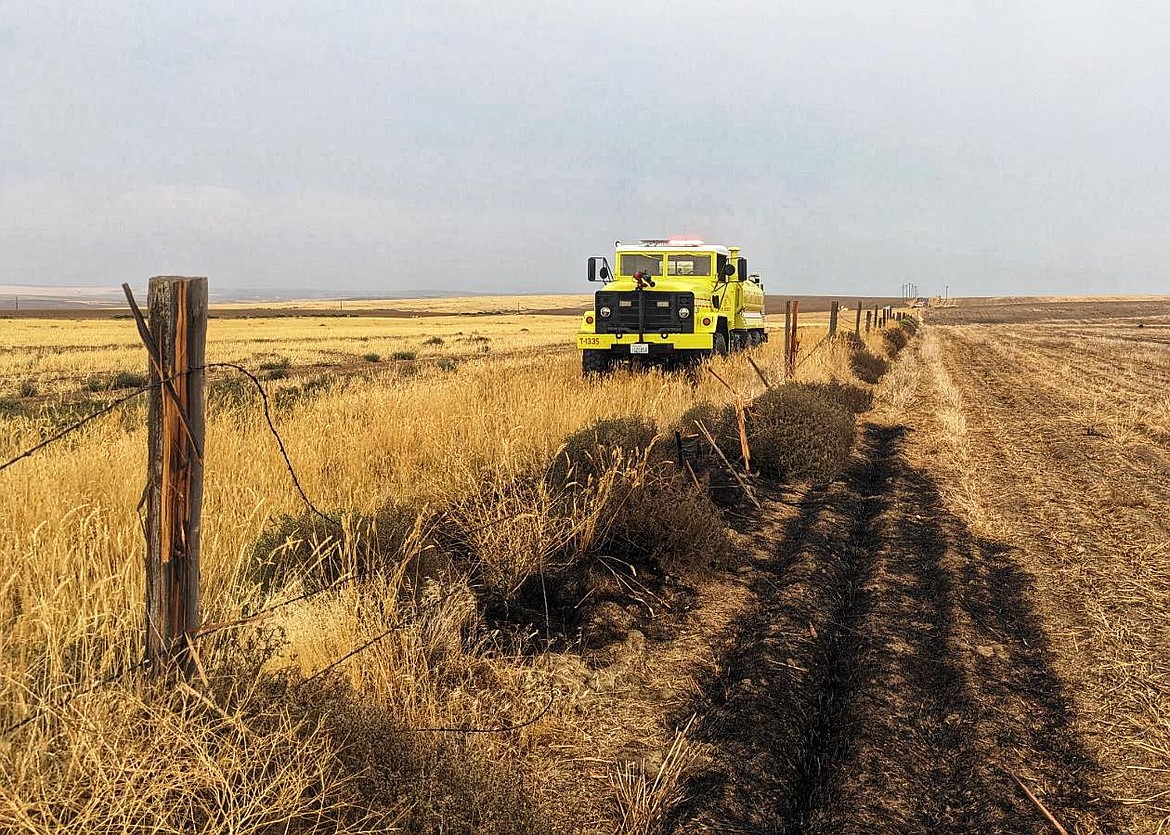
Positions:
{"x": 890, "y": 674}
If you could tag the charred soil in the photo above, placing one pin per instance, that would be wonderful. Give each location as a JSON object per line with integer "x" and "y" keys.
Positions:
{"x": 891, "y": 676}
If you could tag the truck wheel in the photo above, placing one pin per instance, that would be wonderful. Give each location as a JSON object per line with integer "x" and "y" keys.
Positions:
{"x": 718, "y": 345}
{"x": 595, "y": 363}
{"x": 739, "y": 341}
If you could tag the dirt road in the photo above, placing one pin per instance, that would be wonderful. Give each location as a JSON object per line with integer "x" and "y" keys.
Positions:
{"x": 980, "y": 600}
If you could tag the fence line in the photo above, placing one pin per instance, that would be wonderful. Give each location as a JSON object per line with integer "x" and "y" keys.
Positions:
{"x": 166, "y": 382}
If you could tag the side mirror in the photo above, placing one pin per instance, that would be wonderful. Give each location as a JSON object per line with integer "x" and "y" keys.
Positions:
{"x": 728, "y": 269}
{"x": 598, "y": 272}
{"x": 742, "y": 269}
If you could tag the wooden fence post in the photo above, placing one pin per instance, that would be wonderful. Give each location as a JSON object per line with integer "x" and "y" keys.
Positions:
{"x": 834, "y": 309}
{"x": 857, "y": 324}
{"x": 787, "y": 334}
{"x": 178, "y": 327}
{"x": 794, "y": 341}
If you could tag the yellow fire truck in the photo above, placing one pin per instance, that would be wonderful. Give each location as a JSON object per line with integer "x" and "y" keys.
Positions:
{"x": 670, "y": 301}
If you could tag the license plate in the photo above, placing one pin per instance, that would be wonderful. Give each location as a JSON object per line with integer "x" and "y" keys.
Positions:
{"x": 640, "y": 348}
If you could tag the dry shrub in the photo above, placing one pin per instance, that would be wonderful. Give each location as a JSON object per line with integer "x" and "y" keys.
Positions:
{"x": 868, "y": 366}
{"x": 517, "y": 525}
{"x": 656, "y": 515}
{"x": 719, "y": 420}
{"x": 312, "y": 551}
{"x": 798, "y": 434}
{"x": 854, "y": 398}
{"x": 895, "y": 338}
{"x": 643, "y": 508}
{"x": 600, "y": 446}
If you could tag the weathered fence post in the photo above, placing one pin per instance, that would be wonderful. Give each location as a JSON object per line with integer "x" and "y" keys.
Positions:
{"x": 793, "y": 341}
{"x": 178, "y": 330}
{"x": 868, "y": 317}
{"x": 857, "y": 324}
{"x": 787, "y": 334}
{"x": 834, "y": 309}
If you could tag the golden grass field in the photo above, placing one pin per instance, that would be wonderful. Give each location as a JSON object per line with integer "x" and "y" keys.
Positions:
{"x": 411, "y": 433}
{"x": 971, "y": 599}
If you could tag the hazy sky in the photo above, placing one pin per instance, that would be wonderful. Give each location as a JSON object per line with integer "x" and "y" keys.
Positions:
{"x": 999, "y": 147}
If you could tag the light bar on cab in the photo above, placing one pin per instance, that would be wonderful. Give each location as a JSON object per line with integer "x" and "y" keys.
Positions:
{"x": 684, "y": 242}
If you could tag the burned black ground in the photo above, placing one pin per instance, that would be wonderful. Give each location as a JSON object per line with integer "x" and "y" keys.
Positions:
{"x": 892, "y": 677}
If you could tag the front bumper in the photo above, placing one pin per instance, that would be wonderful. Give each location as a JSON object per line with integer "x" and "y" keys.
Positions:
{"x": 658, "y": 343}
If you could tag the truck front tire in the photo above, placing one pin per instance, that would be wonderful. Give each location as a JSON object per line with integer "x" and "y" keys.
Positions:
{"x": 596, "y": 363}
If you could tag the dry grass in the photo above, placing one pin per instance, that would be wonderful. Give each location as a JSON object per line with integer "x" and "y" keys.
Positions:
{"x": 63, "y": 357}
{"x": 397, "y": 454}
{"x": 455, "y": 305}
{"x": 645, "y": 796}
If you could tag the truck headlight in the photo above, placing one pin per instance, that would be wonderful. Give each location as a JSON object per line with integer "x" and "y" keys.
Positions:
{"x": 684, "y": 312}
{"x": 604, "y": 312}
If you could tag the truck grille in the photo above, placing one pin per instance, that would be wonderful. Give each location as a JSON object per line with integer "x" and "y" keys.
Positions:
{"x": 644, "y": 311}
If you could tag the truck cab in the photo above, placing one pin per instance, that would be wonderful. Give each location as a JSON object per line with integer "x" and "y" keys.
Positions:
{"x": 670, "y": 301}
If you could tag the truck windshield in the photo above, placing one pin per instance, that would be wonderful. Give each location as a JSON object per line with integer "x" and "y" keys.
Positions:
{"x": 696, "y": 264}
{"x": 632, "y": 263}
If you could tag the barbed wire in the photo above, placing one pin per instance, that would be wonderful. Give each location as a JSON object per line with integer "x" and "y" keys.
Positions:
{"x": 453, "y": 729}
{"x": 265, "y": 404}
{"x": 211, "y": 629}
{"x": 57, "y": 705}
{"x": 60, "y": 704}
{"x": 824, "y": 339}
{"x": 73, "y": 427}
{"x": 275, "y": 434}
